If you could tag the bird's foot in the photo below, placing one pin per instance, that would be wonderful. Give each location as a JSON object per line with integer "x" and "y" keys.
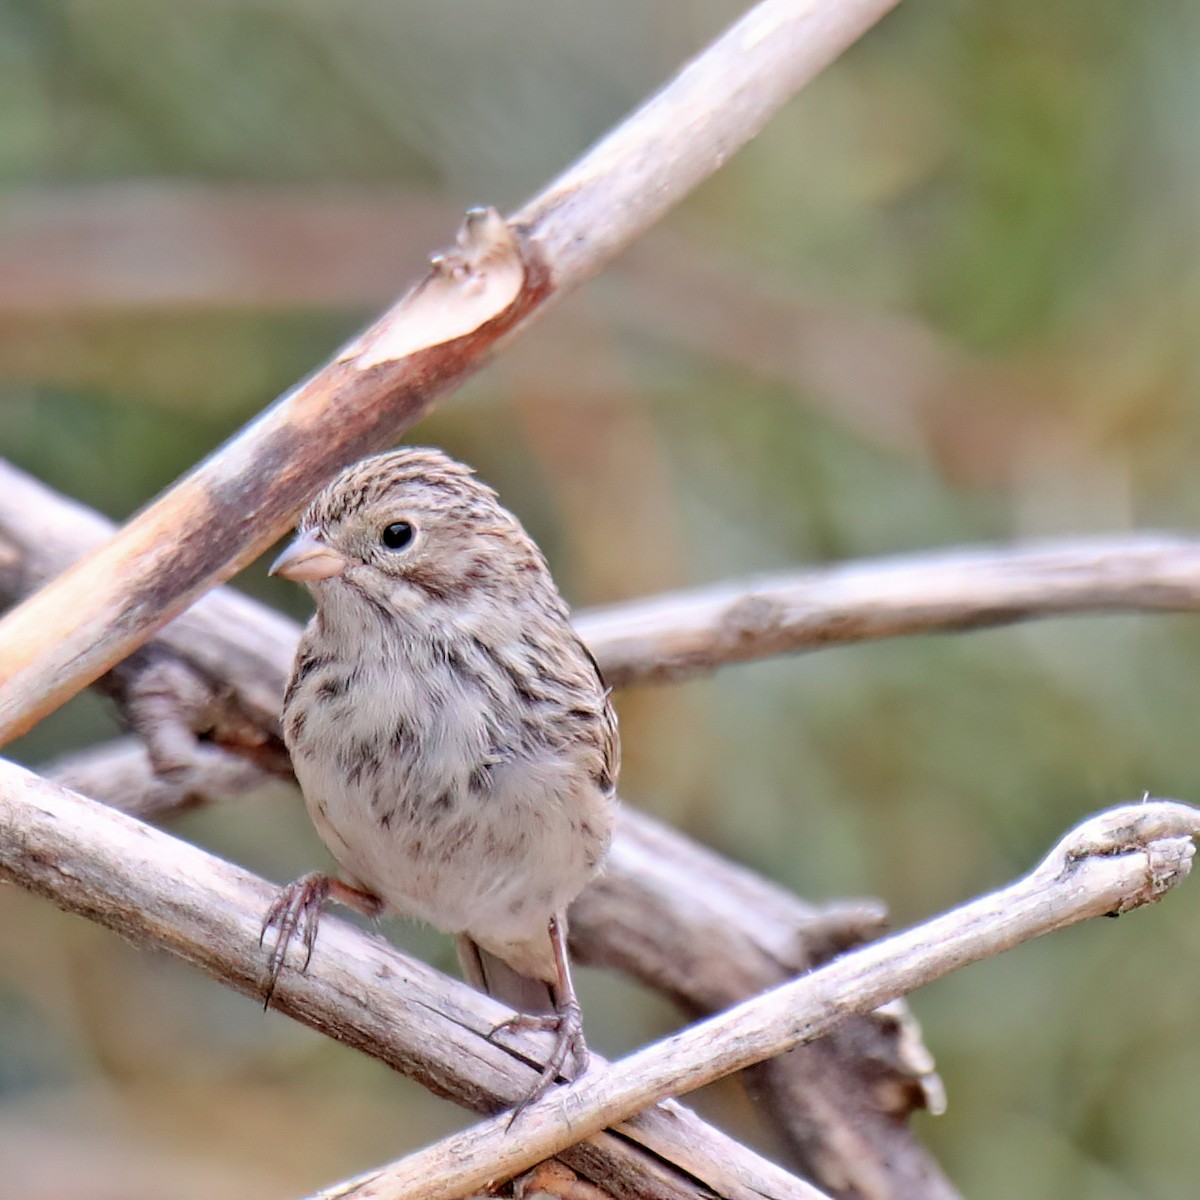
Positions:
{"x": 296, "y": 911}
{"x": 567, "y": 1027}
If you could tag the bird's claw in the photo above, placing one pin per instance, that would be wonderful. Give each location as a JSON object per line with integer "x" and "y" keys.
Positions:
{"x": 296, "y": 910}
{"x": 567, "y": 1027}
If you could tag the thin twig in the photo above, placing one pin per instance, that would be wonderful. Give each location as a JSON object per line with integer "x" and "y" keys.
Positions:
{"x": 231, "y": 507}
{"x": 119, "y": 773}
{"x": 840, "y": 1103}
{"x": 159, "y": 891}
{"x": 1114, "y": 862}
{"x": 691, "y": 633}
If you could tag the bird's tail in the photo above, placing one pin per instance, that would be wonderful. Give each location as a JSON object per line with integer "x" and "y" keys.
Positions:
{"x": 490, "y": 973}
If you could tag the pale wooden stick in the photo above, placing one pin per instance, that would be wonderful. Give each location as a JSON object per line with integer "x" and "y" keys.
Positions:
{"x": 1114, "y": 862}
{"x": 680, "y": 635}
{"x": 158, "y": 891}
{"x": 841, "y": 1103}
{"x": 223, "y": 515}
{"x": 245, "y": 648}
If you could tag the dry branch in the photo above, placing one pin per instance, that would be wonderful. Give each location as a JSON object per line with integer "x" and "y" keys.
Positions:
{"x": 242, "y": 648}
{"x": 121, "y": 775}
{"x": 1112, "y": 863}
{"x": 839, "y": 1109}
{"x": 224, "y": 514}
{"x": 841, "y": 1103}
{"x": 159, "y": 891}
{"x": 689, "y": 633}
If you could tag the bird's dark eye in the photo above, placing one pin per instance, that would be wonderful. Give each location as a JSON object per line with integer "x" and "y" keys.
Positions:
{"x": 397, "y": 535}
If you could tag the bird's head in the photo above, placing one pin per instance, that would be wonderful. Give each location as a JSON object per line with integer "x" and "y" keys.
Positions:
{"x": 408, "y": 528}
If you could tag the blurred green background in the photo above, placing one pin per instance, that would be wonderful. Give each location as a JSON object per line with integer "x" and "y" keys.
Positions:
{"x": 948, "y": 296}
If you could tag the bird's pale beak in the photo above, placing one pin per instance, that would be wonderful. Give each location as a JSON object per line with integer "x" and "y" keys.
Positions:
{"x": 309, "y": 558}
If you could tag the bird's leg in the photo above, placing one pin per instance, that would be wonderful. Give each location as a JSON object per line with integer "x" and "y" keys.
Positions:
{"x": 566, "y": 1023}
{"x": 297, "y": 910}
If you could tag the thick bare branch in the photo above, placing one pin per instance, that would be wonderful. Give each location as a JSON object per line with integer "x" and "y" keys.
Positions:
{"x": 241, "y": 649}
{"x": 224, "y": 514}
{"x": 1114, "y": 862}
{"x": 159, "y": 891}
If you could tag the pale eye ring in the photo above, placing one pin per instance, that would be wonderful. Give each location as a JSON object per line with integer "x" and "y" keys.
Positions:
{"x": 397, "y": 536}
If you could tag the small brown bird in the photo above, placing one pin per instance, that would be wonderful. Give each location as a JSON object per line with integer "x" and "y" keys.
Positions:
{"x": 451, "y": 733}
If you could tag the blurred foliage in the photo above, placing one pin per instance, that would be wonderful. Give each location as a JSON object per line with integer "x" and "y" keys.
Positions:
{"x": 948, "y": 296}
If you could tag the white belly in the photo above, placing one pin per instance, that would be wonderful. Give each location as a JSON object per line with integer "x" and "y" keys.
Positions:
{"x": 437, "y": 823}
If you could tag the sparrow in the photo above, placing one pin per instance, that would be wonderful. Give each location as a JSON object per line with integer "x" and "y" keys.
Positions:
{"x": 454, "y": 741}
